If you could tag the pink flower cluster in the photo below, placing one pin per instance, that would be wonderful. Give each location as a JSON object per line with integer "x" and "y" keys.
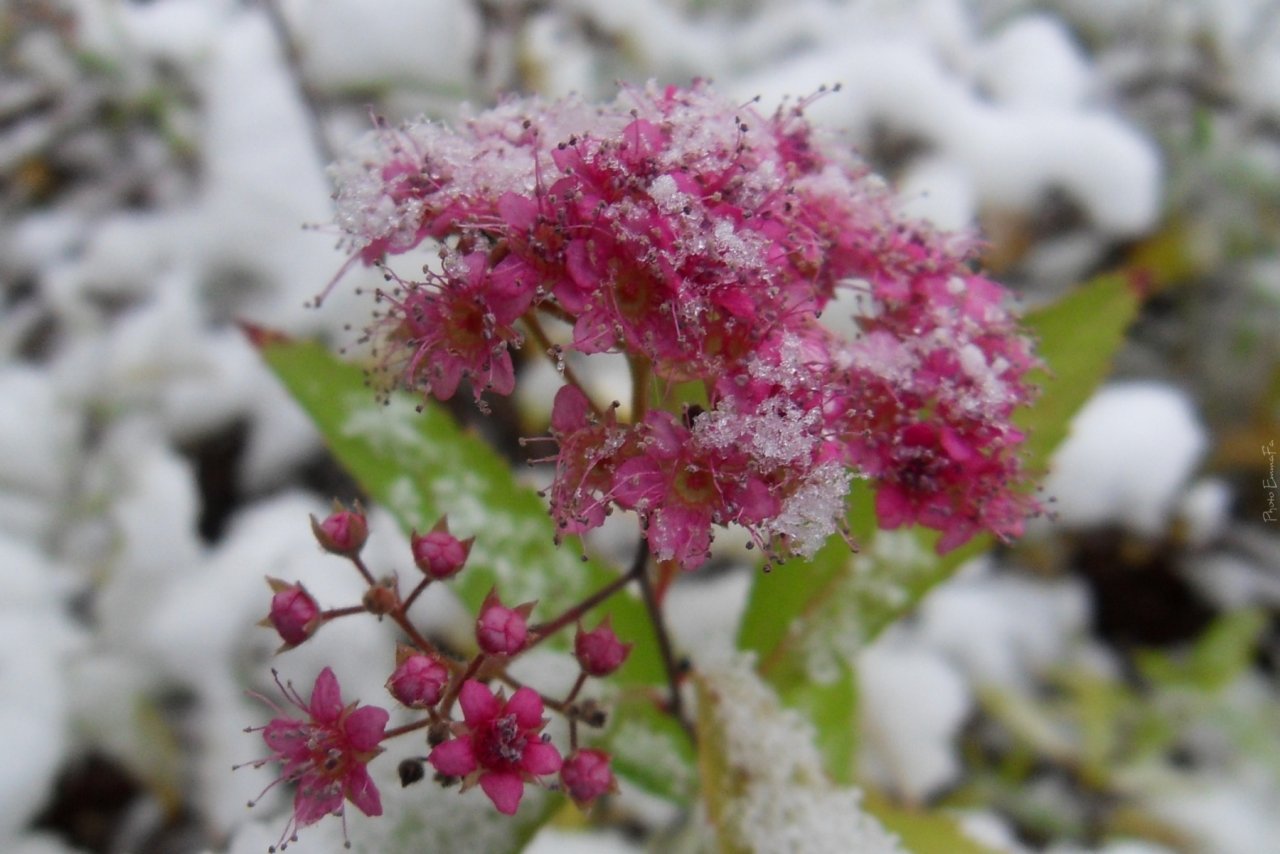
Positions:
{"x": 704, "y": 239}
{"x": 499, "y": 743}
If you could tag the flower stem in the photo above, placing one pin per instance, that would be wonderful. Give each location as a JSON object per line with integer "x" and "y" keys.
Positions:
{"x": 547, "y": 629}
{"x": 358, "y": 563}
{"x": 561, "y": 365}
{"x": 417, "y": 591}
{"x": 675, "y": 704}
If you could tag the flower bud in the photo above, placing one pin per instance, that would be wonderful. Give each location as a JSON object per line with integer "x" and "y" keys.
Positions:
{"x": 599, "y": 651}
{"x": 294, "y": 614}
{"x": 411, "y": 771}
{"x": 343, "y": 532}
{"x": 419, "y": 679}
{"x": 586, "y": 775}
{"x": 438, "y": 553}
{"x": 501, "y": 630}
{"x": 380, "y": 599}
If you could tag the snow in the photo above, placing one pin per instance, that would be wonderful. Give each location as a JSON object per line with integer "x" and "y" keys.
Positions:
{"x": 785, "y": 802}
{"x": 913, "y": 705}
{"x": 1130, "y": 453}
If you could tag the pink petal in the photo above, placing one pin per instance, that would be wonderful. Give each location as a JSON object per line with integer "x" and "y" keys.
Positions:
{"x": 569, "y": 412}
{"x": 893, "y": 508}
{"x": 478, "y": 703}
{"x": 314, "y": 800}
{"x": 526, "y": 705}
{"x": 362, "y": 792}
{"x": 502, "y": 375}
{"x": 517, "y": 211}
{"x": 505, "y": 790}
{"x": 540, "y": 758}
{"x": 454, "y": 758}
{"x": 365, "y": 727}
{"x": 286, "y": 738}
{"x": 682, "y": 534}
{"x": 326, "y": 698}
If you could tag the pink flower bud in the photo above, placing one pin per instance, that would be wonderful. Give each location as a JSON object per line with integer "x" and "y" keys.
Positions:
{"x": 501, "y": 630}
{"x": 438, "y": 553}
{"x": 586, "y": 775}
{"x": 599, "y": 651}
{"x": 294, "y": 614}
{"x": 419, "y": 680}
{"x": 343, "y": 532}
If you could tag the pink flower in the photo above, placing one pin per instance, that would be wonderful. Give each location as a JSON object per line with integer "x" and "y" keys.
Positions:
{"x": 458, "y": 325}
{"x": 500, "y": 744}
{"x": 325, "y": 752}
{"x": 294, "y": 613}
{"x": 343, "y": 532}
{"x": 501, "y": 630}
{"x": 590, "y": 450}
{"x": 599, "y": 652}
{"x": 586, "y": 775}
{"x": 438, "y": 553}
{"x": 419, "y": 680}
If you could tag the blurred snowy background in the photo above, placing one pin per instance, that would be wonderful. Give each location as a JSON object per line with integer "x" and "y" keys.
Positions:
{"x": 1109, "y": 684}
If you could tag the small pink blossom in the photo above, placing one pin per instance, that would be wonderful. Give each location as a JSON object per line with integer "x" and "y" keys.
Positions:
{"x": 458, "y": 325}
{"x": 325, "y": 752}
{"x": 438, "y": 553}
{"x": 501, "y": 630}
{"x": 599, "y": 652}
{"x": 419, "y": 679}
{"x": 499, "y": 744}
{"x": 586, "y": 776}
{"x": 342, "y": 532}
{"x": 294, "y": 613}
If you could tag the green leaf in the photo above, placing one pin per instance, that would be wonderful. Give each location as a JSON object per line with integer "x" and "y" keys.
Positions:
{"x": 421, "y": 465}
{"x": 806, "y": 621}
{"x": 924, "y": 831}
{"x": 1217, "y": 659}
{"x": 1078, "y": 337}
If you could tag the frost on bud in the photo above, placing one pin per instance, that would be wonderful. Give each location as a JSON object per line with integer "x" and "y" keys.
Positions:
{"x": 501, "y": 630}
{"x": 294, "y": 614}
{"x": 419, "y": 680}
{"x": 438, "y": 553}
{"x": 343, "y": 532}
{"x": 599, "y": 651}
{"x": 586, "y": 775}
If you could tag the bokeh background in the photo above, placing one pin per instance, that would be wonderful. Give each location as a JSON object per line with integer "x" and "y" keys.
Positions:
{"x": 1109, "y": 684}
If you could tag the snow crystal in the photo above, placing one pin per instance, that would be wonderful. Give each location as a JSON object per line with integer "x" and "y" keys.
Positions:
{"x": 786, "y": 802}
{"x": 809, "y": 515}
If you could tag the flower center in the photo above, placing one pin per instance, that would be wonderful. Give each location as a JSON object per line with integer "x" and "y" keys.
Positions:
{"x": 500, "y": 745}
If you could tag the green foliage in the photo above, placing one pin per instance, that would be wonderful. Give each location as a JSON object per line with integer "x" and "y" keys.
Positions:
{"x": 1216, "y": 659}
{"x": 923, "y": 831}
